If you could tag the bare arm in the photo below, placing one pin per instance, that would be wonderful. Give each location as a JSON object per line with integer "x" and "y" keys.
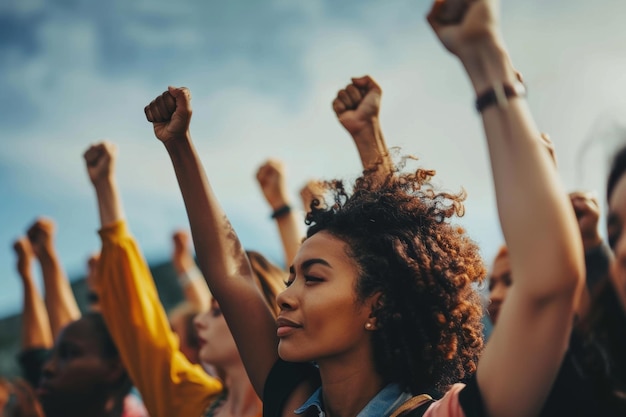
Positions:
{"x": 357, "y": 107}
{"x": 537, "y": 220}
{"x": 271, "y": 178}
{"x": 36, "y": 331}
{"x": 189, "y": 276}
{"x": 220, "y": 255}
{"x": 59, "y": 298}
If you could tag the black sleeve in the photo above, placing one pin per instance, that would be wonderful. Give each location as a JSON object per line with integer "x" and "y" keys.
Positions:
{"x": 283, "y": 378}
{"x": 597, "y": 262}
{"x": 31, "y": 363}
{"x": 471, "y": 399}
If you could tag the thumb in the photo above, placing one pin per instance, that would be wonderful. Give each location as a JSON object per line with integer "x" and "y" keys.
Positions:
{"x": 182, "y": 96}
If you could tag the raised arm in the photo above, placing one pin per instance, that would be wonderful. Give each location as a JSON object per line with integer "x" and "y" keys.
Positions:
{"x": 36, "y": 331}
{"x": 59, "y": 298}
{"x": 220, "y": 255}
{"x": 130, "y": 305}
{"x": 189, "y": 276}
{"x": 537, "y": 220}
{"x": 271, "y": 178}
{"x": 357, "y": 107}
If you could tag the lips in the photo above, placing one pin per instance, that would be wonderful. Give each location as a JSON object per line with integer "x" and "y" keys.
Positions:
{"x": 285, "y": 327}
{"x": 43, "y": 389}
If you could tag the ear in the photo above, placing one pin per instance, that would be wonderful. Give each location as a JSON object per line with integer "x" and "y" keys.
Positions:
{"x": 375, "y": 304}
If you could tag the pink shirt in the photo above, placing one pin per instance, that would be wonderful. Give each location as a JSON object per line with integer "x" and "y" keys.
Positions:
{"x": 449, "y": 405}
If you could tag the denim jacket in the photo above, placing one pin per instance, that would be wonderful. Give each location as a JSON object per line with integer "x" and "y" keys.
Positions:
{"x": 382, "y": 405}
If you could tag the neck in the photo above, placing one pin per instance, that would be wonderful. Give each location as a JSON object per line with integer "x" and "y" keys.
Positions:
{"x": 348, "y": 384}
{"x": 241, "y": 400}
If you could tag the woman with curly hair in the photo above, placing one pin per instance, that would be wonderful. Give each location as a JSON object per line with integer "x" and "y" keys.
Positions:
{"x": 379, "y": 295}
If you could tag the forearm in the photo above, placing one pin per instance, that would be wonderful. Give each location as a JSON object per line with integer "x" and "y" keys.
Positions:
{"x": 290, "y": 235}
{"x": 194, "y": 287}
{"x": 59, "y": 297}
{"x": 109, "y": 201}
{"x": 36, "y": 331}
{"x": 372, "y": 149}
{"x": 536, "y": 216}
{"x": 224, "y": 265}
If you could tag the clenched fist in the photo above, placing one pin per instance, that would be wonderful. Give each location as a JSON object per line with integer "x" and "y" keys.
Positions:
{"x": 25, "y": 256}
{"x": 41, "y": 234}
{"x": 358, "y": 104}
{"x": 100, "y": 160}
{"x": 587, "y": 211}
{"x": 271, "y": 178}
{"x": 170, "y": 114}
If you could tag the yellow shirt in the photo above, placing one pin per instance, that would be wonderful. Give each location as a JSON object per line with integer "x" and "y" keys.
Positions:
{"x": 169, "y": 384}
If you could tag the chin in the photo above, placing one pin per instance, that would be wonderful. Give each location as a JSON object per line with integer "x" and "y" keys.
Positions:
{"x": 290, "y": 353}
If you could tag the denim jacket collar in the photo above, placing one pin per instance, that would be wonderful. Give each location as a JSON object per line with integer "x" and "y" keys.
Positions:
{"x": 382, "y": 405}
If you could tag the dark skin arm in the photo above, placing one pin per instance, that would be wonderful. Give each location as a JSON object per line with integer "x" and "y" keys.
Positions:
{"x": 221, "y": 257}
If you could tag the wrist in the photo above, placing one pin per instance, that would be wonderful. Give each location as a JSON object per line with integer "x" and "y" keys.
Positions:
{"x": 591, "y": 242}
{"x": 488, "y": 64}
{"x": 177, "y": 140}
{"x": 281, "y": 211}
{"x": 364, "y": 133}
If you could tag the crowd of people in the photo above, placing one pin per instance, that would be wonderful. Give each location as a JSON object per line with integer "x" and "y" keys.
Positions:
{"x": 376, "y": 310}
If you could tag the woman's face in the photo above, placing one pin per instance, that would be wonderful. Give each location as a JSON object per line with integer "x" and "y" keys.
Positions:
{"x": 217, "y": 346}
{"x": 499, "y": 283}
{"x": 76, "y": 373}
{"x": 320, "y": 315}
{"x": 616, "y": 225}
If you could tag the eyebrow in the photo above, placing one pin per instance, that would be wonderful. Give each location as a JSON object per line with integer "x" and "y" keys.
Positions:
{"x": 310, "y": 262}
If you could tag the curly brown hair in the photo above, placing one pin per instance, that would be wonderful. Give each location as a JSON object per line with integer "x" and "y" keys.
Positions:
{"x": 429, "y": 331}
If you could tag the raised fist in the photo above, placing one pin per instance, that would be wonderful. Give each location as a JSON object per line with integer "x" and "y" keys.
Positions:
{"x": 312, "y": 190}
{"x": 463, "y": 24}
{"x": 358, "y": 104}
{"x": 170, "y": 114}
{"x": 41, "y": 234}
{"x": 271, "y": 178}
{"x": 100, "y": 160}
{"x": 587, "y": 212}
{"x": 25, "y": 255}
{"x": 181, "y": 254}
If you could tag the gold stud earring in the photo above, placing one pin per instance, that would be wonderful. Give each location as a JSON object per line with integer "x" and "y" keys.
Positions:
{"x": 368, "y": 326}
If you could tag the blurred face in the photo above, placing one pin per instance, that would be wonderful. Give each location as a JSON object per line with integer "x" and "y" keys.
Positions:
{"x": 617, "y": 238}
{"x": 320, "y": 316}
{"x": 179, "y": 324}
{"x": 499, "y": 283}
{"x": 217, "y": 346}
{"x": 76, "y": 375}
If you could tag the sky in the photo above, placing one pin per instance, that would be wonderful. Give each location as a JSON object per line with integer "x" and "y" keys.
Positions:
{"x": 263, "y": 76}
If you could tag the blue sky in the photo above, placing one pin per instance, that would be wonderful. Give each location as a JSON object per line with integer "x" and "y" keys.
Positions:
{"x": 263, "y": 75}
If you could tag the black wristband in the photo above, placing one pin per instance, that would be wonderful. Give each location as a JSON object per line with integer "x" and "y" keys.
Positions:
{"x": 500, "y": 95}
{"x": 281, "y": 211}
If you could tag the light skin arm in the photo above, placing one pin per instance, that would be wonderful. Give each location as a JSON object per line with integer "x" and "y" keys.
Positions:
{"x": 59, "y": 298}
{"x": 357, "y": 107}
{"x": 195, "y": 288}
{"x": 36, "y": 331}
{"x": 271, "y": 179}
{"x": 100, "y": 160}
{"x": 538, "y": 224}
{"x": 221, "y": 258}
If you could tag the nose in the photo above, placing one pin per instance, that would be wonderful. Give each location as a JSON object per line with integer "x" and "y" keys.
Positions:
{"x": 285, "y": 299}
{"x": 497, "y": 293}
{"x": 199, "y": 322}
